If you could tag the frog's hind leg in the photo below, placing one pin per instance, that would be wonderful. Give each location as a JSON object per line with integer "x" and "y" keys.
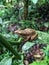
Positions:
{"x": 34, "y": 37}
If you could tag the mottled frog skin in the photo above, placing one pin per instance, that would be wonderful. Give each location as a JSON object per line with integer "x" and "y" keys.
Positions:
{"x": 29, "y": 34}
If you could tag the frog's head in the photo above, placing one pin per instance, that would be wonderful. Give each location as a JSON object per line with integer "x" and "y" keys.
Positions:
{"x": 18, "y": 32}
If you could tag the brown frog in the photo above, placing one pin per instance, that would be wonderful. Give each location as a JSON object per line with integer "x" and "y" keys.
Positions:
{"x": 29, "y": 34}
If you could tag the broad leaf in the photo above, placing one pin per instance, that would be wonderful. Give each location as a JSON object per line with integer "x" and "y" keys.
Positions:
{"x": 27, "y": 45}
{"x": 46, "y": 24}
{"x": 43, "y": 37}
{"x": 6, "y": 61}
{"x": 34, "y": 1}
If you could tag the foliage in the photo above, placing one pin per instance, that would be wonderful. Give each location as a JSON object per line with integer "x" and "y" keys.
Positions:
{"x": 8, "y": 46}
{"x": 11, "y": 14}
{"x": 43, "y": 62}
{"x": 6, "y": 61}
{"x": 27, "y": 45}
{"x": 42, "y": 38}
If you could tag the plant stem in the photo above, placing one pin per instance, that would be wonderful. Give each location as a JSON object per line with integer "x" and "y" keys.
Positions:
{"x": 8, "y": 46}
{"x": 26, "y": 2}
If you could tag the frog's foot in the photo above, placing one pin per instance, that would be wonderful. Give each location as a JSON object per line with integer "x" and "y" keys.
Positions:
{"x": 34, "y": 37}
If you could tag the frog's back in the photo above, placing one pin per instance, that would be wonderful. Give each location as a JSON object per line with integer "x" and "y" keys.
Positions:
{"x": 26, "y": 31}
{"x": 29, "y": 31}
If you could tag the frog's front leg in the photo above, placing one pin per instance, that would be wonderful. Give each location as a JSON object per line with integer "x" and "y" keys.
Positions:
{"x": 34, "y": 36}
{"x": 23, "y": 42}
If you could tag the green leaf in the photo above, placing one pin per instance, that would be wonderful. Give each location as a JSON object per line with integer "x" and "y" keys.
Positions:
{"x": 43, "y": 62}
{"x": 34, "y": 1}
{"x": 6, "y": 61}
{"x": 27, "y": 45}
{"x": 1, "y": 20}
{"x": 4, "y": 41}
{"x": 43, "y": 37}
{"x": 46, "y": 24}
